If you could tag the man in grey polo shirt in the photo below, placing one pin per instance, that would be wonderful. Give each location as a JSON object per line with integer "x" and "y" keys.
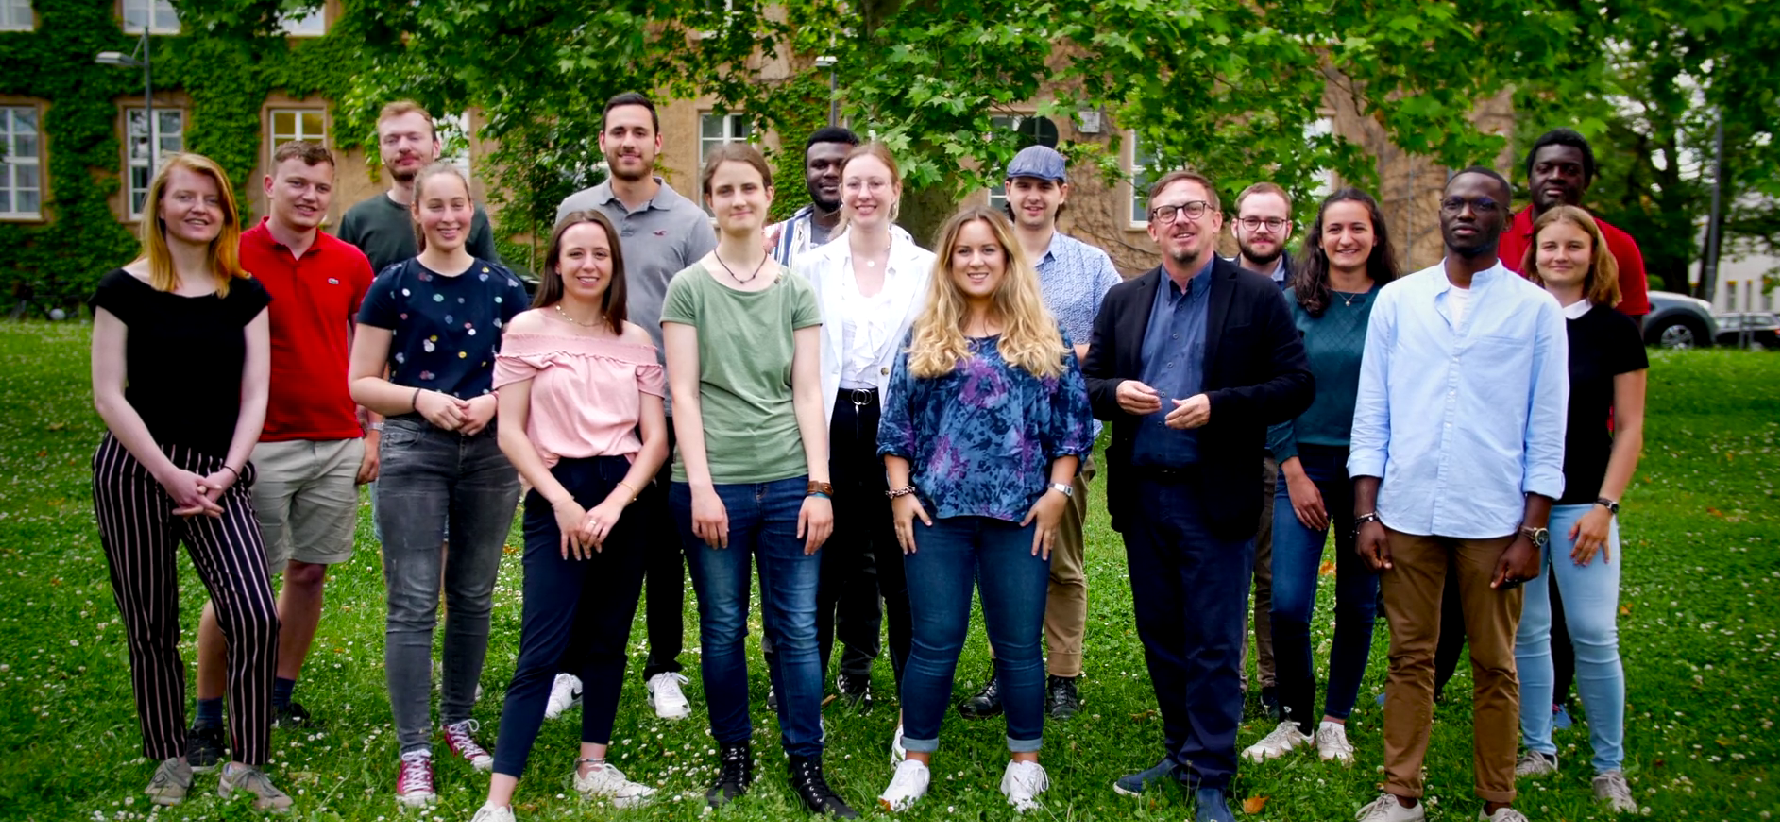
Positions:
{"x": 660, "y": 233}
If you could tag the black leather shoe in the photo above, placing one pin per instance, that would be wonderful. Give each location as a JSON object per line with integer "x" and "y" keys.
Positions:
{"x": 292, "y": 715}
{"x": 734, "y": 774}
{"x": 812, "y": 788}
{"x": 204, "y": 748}
{"x": 1270, "y": 705}
{"x": 986, "y": 703}
{"x": 1061, "y": 699}
{"x": 855, "y": 690}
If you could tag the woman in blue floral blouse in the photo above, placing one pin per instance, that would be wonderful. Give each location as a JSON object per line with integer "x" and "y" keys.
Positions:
{"x": 985, "y": 420}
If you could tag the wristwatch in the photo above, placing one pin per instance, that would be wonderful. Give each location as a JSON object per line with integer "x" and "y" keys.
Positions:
{"x": 1063, "y": 488}
{"x": 1612, "y": 507}
{"x": 1540, "y": 536}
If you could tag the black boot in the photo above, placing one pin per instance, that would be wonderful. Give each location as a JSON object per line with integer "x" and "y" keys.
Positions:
{"x": 734, "y": 774}
{"x": 986, "y": 703}
{"x": 807, "y": 781}
{"x": 1062, "y": 701}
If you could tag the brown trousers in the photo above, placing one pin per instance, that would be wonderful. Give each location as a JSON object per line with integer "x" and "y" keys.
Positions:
{"x": 1412, "y": 593}
{"x": 1066, "y": 603}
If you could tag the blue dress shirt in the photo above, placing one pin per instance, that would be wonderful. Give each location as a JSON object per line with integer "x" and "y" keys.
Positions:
{"x": 1174, "y": 365}
{"x": 1462, "y": 421}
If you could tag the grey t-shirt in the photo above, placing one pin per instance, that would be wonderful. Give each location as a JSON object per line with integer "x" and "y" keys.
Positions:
{"x": 384, "y": 230}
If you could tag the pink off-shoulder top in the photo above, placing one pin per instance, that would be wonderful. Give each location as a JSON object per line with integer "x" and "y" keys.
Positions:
{"x": 585, "y": 399}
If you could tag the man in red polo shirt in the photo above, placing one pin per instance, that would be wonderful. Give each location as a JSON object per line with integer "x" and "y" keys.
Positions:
{"x": 1559, "y": 170}
{"x": 313, "y": 453}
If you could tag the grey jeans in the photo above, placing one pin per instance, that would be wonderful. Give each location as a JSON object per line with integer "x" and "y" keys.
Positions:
{"x": 436, "y": 484}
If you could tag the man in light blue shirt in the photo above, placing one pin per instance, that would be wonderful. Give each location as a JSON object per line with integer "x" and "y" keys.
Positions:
{"x": 1457, "y": 454}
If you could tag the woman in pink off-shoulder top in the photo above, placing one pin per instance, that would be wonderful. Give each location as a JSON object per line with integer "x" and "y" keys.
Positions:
{"x": 581, "y": 400}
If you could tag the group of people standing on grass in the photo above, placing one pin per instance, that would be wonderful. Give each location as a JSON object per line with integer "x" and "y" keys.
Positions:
{"x": 875, "y": 431}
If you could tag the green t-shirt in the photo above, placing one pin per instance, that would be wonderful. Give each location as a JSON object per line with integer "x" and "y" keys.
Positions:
{"x": 744, "y": 380}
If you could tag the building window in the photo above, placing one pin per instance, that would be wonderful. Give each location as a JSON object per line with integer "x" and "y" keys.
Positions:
{"x": 1033, "y": 130}
{"x": 168, "y": 138}
{"x": 21, "y": 169}
{"x": 1142, "y": 172}
{"x": 297, "y": 124}
{"x": 720, "y": 129}
{"x": 158, "y": 15}
{"x": 15, "y": 15}
{"x": 312, "y": 23}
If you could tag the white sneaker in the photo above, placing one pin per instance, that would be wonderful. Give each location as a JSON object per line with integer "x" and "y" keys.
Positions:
{"x": 667, "y": 698}
{"x": 908, "y": 784}
{"x": 1534, "y": 764}
{"x": 1386, "y": 808}
{"x": 898, "y": 753}
{"x": 490, "y": 813}
{"x": 1611, "y": 789}
{"x": 1278, "y": 743}
{"x": 606, "y": 782}
{"x": 1331, "y": 743}
{"x": 1022, "y": 782}
{"x": 1502, "y": 815}
{"x": 565, "y": 693}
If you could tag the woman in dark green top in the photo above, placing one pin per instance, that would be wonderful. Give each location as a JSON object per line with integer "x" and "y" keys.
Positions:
{"x": 1347, "y": 257}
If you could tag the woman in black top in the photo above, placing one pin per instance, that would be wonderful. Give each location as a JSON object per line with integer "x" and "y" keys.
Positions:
{"x": 181, "y": 357}
{"x": 1606, "y": 430}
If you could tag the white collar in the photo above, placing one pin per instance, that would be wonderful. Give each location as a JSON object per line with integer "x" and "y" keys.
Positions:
{"x": 1575, "y": 310}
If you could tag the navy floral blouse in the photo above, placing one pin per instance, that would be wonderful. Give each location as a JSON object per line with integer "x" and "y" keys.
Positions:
{"x": 980, "y": 440}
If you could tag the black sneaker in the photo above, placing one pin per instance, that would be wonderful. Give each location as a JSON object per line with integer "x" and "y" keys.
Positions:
{"x": 204, "y": 748}
{"x": 855, "y": 690}
{"x": 292, "y": 715}
{"x": 734, "y": 774}
{"x": 986, "y": 703}
{"x": 807, "y": 782}
{"x": 1270, "y": 705}
{"x": 1061, "y": 699}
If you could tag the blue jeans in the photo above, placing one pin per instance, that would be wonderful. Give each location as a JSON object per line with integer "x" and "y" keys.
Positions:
{"x": 951, "y": 557}
{"x": 437, "y": 484}
{"x": 1591, "y": 606}
{"x": 1297, "y": 562}
{"x": 763, "y": 526}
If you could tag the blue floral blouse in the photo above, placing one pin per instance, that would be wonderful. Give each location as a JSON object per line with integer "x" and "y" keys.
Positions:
{"x": 980, "y": 440}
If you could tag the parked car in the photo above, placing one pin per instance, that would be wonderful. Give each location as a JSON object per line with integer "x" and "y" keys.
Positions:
{"x": 1680, "y": 321}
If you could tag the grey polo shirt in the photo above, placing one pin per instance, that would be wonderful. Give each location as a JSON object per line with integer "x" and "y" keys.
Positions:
{"x": 658, "y": 240}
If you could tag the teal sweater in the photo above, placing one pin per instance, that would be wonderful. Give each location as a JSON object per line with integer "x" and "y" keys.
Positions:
{"x": 1334, "y": 343}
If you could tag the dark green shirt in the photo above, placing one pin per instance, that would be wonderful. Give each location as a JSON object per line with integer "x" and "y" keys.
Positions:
{"x": 1333, "y": 343}
{"x": 384, "y": 230}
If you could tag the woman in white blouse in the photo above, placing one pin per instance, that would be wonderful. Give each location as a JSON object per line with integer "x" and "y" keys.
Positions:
{"x": 870, "y": 281}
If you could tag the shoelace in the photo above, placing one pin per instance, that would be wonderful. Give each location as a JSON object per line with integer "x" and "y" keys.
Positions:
{"x": 459, "y": 736}
{"x": 255, "y": 781}
{"x": 814, "y": 785}
{"x": 165, "y": 777}
{"x": 416, "y": 766}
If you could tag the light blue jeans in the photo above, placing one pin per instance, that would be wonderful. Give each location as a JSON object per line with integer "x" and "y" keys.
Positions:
{"x": 1591, "y": 608}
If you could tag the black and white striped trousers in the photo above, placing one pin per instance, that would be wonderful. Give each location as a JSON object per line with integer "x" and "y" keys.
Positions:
{"x": 141, "y": 537}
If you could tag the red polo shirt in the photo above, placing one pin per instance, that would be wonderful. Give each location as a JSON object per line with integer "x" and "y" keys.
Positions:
{"x": 314, "y": 301}
{"x": 1634, "y": 288}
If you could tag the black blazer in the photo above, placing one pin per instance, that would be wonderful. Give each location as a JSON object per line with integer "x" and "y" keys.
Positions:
{"x": 1256, "y": 375}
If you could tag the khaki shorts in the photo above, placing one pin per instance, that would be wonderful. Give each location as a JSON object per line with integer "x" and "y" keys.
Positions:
{"x": 306, "y": 496}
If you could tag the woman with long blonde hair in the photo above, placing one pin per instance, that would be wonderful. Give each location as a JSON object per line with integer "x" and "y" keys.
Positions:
{"x": 173, "y": 466}
{"x": 985, "y": 421}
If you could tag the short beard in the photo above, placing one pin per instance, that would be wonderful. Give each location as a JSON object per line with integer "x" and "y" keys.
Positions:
{"x": 1479, "y": 250}
{"x": 401, "y": 176}
{"x": 632, "y": 178}
{"x": 1262, "y": 259}
{"x": 826, "y": 207}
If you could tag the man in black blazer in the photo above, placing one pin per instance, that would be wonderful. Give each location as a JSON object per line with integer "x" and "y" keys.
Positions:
{"x": 1191, "y": 362}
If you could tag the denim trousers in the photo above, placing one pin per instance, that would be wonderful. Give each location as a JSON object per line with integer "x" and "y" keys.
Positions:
{"x": 952, "y": 557}
{"x": 1591, "y": 608}
{"x": 437, "y": 484}
{"x": 762, "y": 532}
{"x": 1189, "y": 589}
{"x": 1297, "y": 563}
{"x": 577, "y": 612}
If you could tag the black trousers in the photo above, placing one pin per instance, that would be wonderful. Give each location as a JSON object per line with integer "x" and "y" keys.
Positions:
{"x": 1452, "y": 642}
{"x": 664, "y": 573}
{"x": 861, "y": 561}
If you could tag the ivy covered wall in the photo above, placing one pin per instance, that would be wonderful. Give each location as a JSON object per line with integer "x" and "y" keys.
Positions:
{"x": 225, "y": 81}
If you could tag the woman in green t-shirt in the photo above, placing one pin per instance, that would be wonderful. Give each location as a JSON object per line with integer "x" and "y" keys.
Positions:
{"x": 750, "y": 478}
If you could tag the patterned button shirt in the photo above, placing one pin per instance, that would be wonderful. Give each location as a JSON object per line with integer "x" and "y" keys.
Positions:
{"x": 1074, "y": 277}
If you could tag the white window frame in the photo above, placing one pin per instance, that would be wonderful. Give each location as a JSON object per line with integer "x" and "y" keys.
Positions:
{"x": 1140, "y": 166}
{"x": 15, "y": 15}
{"x": 11, "y": 162}
{"x": 313, "y": 23}
{"x": 730, "y": 133}
{"x": 155, "y": 12}
{"x": 274, "y": 138}
{"x": 157, "y": 138}
{"x": 1011, "y": 122}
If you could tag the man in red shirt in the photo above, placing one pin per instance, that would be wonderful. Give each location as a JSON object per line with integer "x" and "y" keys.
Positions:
{"x": 314, "y": 451}
{"x": 1559, "y": 170}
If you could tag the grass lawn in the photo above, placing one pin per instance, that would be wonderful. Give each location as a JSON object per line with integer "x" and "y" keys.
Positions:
{"x": 1700, "y": 633}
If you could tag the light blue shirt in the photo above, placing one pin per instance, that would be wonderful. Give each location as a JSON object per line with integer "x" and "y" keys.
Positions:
{"x": 1074, "y": 277}
{"x": 1462, "y": 420}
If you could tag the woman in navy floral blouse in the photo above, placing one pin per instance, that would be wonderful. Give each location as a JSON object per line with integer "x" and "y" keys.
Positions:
{"x": 985, "y": 420}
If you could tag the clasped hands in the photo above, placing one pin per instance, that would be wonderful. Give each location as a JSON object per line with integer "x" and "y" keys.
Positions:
{"x": 1141, "y": 400}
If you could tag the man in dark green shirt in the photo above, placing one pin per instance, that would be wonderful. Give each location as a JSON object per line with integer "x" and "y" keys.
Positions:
{"x": 383, "y": 226}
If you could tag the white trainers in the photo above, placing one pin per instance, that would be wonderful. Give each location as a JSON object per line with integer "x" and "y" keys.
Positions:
{"x": 1022, "y": 782}
{"x": 898, "y": 753}
{"x": 1502, "y": 815}
{"x": 606, "y": 782}
{"x": 565, "y": 693}
{"x": 490, "y": 813}
{"x": 1386, "y": 808}
{"x": 1278, "y": 743}
{"x": 908, "y": 784}
{"x": 1535, "y": 764}
{"x": 1331, "y": 743}
{"x": 1612, "y": 790}
{"x": 667, "y": 698}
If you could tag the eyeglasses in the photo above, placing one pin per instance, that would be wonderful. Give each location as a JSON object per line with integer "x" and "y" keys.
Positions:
{"x": 1479, "y": 205}
{"x": 1194, "y": 209}
{"x": 1273, "y": 224}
